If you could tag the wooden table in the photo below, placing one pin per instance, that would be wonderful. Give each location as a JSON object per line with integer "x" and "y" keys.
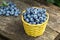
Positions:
{"x": 12, "y": 28}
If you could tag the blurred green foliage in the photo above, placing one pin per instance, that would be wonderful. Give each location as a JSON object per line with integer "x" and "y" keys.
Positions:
{"x": 56, "y": 2}
{"x": 4, "y": 3}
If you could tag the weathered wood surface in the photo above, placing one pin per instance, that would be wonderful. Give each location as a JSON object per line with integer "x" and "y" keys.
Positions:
{"x": 12, "y": 27}
{"x": 57, "y": 37}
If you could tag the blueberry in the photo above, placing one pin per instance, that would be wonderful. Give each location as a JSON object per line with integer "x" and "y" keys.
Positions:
{"x": 32, "y": 16}
{"x": 35, "y": 16}
{"x": 28, "y": 10}
{"x": 43, "y": 15}
{"x": 7, "y": 14}
{"x": 28, "y": 16}
{"x": 40, "y": 10}
{"x": 6, "y": 8}
{"x": 32, "y": 10}
{"x": 16, "y": 12}
{"x": 31, "y": 22}
{"x": 19, "y": 12}
{"x": 12, "y": 6}
{"x": 1, "y": 10}
{"x": 16, "y": 15}
{"x": 37, "y": 20}
{"x": 39, "y": 14}
{"x": 0, "y": 13}
{"x": 10, "y": 3}
{"x": 25, "y": 17}
{"x": 44, "y": 9}
{"x": 15, "y": 8}
{"x": 34, "y": 22}
{"x": 41, "y": 18}
{"x": 4, "y": 12}
{"x": 37, "y": 23}
{"x": 24, "y": 14}
{"x": 35, "y": 11}
{"x": 45, "y": 19}
{"x": 27, "y": 20}
{"x": 31, "y": 19}
{"x": 12, "y": 9}
{"x": 12, "y": 13}
{"x": 2, "y": 7}
{"x": 40, "y": 21}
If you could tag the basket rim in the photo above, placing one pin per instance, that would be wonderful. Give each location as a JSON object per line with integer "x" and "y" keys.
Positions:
{"x": 34, "y": 24}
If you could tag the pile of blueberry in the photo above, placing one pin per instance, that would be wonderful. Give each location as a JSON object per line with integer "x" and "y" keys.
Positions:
{"x": 35, "y": 15}
{"x": 10, "y": 10}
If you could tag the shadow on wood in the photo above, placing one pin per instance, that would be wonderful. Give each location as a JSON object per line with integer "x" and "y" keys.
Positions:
{"x": 58, "y": 37}
{"x": 3, "y": 37}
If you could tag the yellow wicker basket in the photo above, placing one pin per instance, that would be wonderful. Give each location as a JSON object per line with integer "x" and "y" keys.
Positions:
{"x": 34, "y": 30}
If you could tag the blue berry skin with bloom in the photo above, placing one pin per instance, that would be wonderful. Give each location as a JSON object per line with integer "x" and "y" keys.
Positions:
{"x": 25, "y": 14}
{"x": 16, "y": 15}
{"x": 13, "y": 5}
{"x": 28, "y": 10}
{"x": 43, "y": 15}
{"x": 7, "y": 14}
{"x": 19, "y": 12}
{"x": 0, "y": 13}
{"x": 4, "y": 13}
{"x": 35, "y": 15}
{"x": 6, "y": 9}
{"x": 44, "y": 9}
{"x": 41, "y": 18}
{"x": 32, "y": 11}
{"x": 39, "y": 15}
{"x": 27, "y": 19}
{"x": 44, "y": 19}
{"x": 37, "y": 20}
{"x": 16, "y": 12}
{"x": 15, "y": 8}
{"x": 28, "y": 16}
{"x": 31, "y": 19}
{"x": 34, "y": 22}
{"x": 12, "y": 13}
{"x": 36, "y": 11}
{"x": 1, "y": 10}
{"x": 32, "y": 16}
